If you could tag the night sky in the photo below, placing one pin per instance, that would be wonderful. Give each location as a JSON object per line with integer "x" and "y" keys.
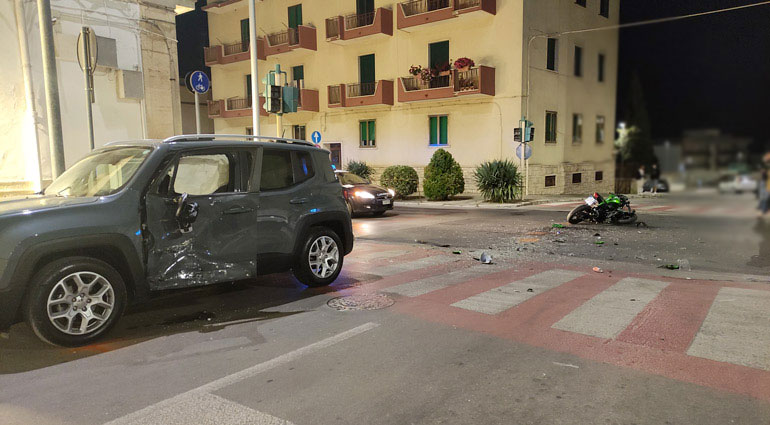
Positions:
{"x": 704, "y": 72}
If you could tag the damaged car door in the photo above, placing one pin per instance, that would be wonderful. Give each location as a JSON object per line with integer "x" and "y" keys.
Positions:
{"x": 201, "y": 220}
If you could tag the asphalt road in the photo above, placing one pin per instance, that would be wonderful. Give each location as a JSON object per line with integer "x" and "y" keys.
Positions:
{"x": 537, "y": 337}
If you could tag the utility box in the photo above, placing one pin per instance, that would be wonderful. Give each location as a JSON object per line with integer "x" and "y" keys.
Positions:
{"x": 130, "y": 85}
{"x": 107, "y": 52}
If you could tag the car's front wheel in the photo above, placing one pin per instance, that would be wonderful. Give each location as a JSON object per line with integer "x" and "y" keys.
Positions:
{"x": 74, "y": 301}
{"x": 320, "y": 260}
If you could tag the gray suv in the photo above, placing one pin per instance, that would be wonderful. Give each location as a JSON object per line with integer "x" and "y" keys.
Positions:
{"x": 137, "y": 217}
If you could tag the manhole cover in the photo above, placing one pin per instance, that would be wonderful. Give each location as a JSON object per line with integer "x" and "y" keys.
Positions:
{"x": 360, "y": 302}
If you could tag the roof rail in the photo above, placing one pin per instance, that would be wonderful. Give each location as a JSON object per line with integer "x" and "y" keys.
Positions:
{"x": 245, "y": 137}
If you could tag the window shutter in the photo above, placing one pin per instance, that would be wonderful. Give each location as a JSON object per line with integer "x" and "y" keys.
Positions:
{"x": 371, "y": 132}
{"x": 362, "y": 130}
{"x": 433, "y": 130}
{"x": 443, "y": 130}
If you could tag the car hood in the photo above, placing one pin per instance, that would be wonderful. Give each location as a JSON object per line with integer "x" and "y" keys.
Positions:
{"x": 370, "y": 188}
{"x": 32, "y": 203}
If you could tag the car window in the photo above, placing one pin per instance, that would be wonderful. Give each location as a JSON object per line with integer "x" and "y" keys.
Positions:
{"x": 351, "y": 179}
{"x": 303, "y": 167}
{"x": 202, "y": 175}
{"x": 102, "y": 173}
{"x": 277, "y": 170}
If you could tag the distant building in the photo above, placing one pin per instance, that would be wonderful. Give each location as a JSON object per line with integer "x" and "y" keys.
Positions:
{"x": 136, "y": 81}
{"x": 350, "y": 60}
{"x": 710, "y": 149}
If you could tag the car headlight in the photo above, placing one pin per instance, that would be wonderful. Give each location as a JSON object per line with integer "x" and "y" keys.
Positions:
{"x": 392, "y": 192}
{"x": 364, "y": 195}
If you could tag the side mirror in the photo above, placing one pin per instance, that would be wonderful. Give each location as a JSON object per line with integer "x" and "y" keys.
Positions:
{"x": 186, "y": 213}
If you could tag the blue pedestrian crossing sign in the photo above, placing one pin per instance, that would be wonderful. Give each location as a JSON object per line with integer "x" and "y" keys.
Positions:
{"x": 199, "y": 82}
{"x": 316, "y": 136}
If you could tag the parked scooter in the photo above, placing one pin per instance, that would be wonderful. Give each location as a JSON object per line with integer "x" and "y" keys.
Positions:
{"x": 615, "y": 209}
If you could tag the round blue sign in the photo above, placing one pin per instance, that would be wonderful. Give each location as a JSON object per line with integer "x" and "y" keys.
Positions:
{"x": 200, "y": 82}
{"x": 316, "y": 136}
{"x": 527, "y": 151}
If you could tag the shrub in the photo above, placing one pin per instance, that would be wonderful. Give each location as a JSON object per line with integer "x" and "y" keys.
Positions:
{"x": 498, "y": 181}
{"x": 443, "y": 177}
{"x": 401, "y": 178}
{"x": 361, "y": 169}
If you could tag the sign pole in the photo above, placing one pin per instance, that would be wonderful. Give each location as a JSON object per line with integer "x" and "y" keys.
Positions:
{"x": 197, "y": 115}
{"x": 254, "y": 70}
{"x": 279, "y": 115}
{"x": 85, "y": 35}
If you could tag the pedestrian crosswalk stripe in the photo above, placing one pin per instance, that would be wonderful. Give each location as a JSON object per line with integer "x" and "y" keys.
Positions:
{"x": 412, "y": 265}
{"x": 735, "y": 329}
{"x": 433, "y": 283}
{"x": 375, "y": 255}
{"x": 611, "y": 311}
{"x": 500, "y": 299}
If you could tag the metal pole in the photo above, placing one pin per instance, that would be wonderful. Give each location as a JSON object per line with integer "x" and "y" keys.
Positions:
{"x": 198, "y": 115}
{"x": 29, "y": 91}
{"x": 53, "y": 109}
{"x": 254, "y": 69}
{"x": 85, "y": 34}
{"x": 279, "y": 115}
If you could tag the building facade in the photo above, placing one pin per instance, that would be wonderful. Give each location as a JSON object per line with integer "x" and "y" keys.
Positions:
{"x": 136, "y": 82}
{"x": 352, "y": 62}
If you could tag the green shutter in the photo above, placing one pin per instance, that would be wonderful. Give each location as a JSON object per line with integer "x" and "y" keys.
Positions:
{"x": 245, "y": 30}
{"x": 362, "y": 130}
{"x": 295, "y": 16}
{"x": 433, "y": 130}
{"x": 442, "y": 130}
{"x": 438, "y": 54}
{"x": 366, "y": 69}
{"x": 298, "y": 72}
{"x": 371, "y": 131}
{"x": 248, "y": 86}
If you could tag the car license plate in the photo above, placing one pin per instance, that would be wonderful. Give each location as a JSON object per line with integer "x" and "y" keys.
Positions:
{"x": 386, "y": 202}
{"x": 590, "y": 201}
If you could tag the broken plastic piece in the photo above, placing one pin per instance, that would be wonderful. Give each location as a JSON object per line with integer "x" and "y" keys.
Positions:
{"x": 599, "y": 242}
{"x": 485, "y": 258}
{"x": 457, "y": 252}
{"x": 598, "y": 270}
{"x": 530, "y": 290}
{"x": 669, "y": 267}
{"x": 557, "y": 226}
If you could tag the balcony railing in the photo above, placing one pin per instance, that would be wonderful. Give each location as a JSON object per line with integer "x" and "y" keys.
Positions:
{"x": 361, "y": 89}
{"x": 415, "y": 7}
{"x": 467, "y": 80}
{"x": 465, "y": 4}
{"x": 234, "y": 48}
{"x": 210, "y": 54}
{"x": 334, "y": 95}
{"x": 359, "y": 20}
{"x": 417, "y": 83}
{"x": 215, "y": 108}
{"x": 290, "y": 37}
{"x": 332, "y": 27}
{"x": 238, "y": 103}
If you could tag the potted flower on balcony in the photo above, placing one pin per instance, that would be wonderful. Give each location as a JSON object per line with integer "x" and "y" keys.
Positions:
{"x": 415, "y": 70}
{"x": 426, "y": 75}
{"x": 442, "y": 69}
{"x": 463, "y": 64}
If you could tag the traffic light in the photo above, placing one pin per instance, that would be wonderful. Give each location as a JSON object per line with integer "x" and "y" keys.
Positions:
{"x": 290, "y": 99}
{"x": 529, "y": 132}
{"x": 274, "y": 99}
{"x": 517, "y": 134}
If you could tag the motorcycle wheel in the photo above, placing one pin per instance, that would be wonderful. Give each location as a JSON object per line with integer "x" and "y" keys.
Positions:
{"x": 628, "y": 219}
{"x": 580, "y": 213}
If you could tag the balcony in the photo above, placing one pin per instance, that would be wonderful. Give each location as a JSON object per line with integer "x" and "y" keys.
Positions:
{"x": 302, "y": 37}
{"x": 361, "y": 94}
{"x": 420, "y": 12}
{"x": 344, "y": 28}
{"x": 230, "y": 53}
{"x": 475, "y": 81}
{"x": 234, "y": 107}
{"x": 223, "y": 6}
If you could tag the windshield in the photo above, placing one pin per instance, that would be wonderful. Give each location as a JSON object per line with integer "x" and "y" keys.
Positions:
{"x": 99, "y": 174}
{"x": 349, "y": 178}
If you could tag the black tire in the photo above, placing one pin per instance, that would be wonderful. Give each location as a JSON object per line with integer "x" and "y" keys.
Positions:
{"x": 631, "y": 219}
{"x": 580, "y": 213}
{"x": 42, "y": 285}
{"x": 302, "y": 269}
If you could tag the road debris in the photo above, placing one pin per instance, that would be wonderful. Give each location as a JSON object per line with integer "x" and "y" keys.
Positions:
{"x": 566, "y": 365}
{"x": 599, "y": 242}
{"x": 458, "y": 252}
{"x": 598, "y": 270}
{"x": 557, "y": 226}
{"x": 530, "y": 290}
{"x": 684, "y": 264}
{"x": 485, "y": 258}
{"x": 669, "y": 267}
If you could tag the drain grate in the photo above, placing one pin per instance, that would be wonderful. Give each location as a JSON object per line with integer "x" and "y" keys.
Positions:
{"x": 361, "y": 302}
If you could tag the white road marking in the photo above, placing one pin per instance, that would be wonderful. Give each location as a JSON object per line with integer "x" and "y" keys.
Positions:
{"x": 500, "y": 299}
{"x": 736, "y": 329}
{"x": 408, "y": 266}
{"x": 376, "y": 255}
{"x": 159, "y": 408}
{"x": 433, "y": 283}
{"x": 610, "y": 312}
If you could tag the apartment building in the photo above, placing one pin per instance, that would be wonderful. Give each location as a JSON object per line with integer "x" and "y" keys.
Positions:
{"x": 352, "y": 61}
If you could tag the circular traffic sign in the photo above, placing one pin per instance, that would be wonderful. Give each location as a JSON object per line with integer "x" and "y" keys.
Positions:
{"x": 316, "y": 136}
{"x": 527, "y": 151}
{"x": 198, "y": 82}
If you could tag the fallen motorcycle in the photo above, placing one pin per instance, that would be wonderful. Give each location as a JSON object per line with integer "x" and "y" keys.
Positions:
{"x": 615, "y": 209}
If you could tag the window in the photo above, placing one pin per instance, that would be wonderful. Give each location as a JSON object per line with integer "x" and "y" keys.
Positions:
{"x": 248, "y": 87}
{"x": 276, "y": 169}
{"x": 366, "y": 130}
{"x": 601, "y": 68}
{"x": 577, "y": 128}
{"x": 295, "y": 16}
{"x": 552, "y": 54}
{"x": 550, "y": 181}
{"x": 298, "y": 132}
{"x": 578, "y": 61}
{"x": 580, "y": 3}
{"x": 577, "y": 178}
{"x": 438, "y": 130}
{"x": 303, "y": 166}
{"x": 99, "y": 174}
{"x": 244, "y": 33}
{"x": 550, "y": 127}
{"x": 599, "y": 176}
{"x": 599, "y": 129}
{"x": 604, "y": 8}
{"x": 298, "y": 74}
{"x": 198, "y": 175}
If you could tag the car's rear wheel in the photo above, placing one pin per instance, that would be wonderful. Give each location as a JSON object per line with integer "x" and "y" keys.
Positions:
{"x": 74, "y": 301}
{"x": 320, "y": 260}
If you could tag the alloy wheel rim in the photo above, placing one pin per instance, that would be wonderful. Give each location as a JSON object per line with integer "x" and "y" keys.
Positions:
{"x": 80, "y": 303}
{"x": 324, "y": 257}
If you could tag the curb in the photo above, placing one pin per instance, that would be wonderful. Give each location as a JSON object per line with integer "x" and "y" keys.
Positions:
{"x": 475, "y": 204}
